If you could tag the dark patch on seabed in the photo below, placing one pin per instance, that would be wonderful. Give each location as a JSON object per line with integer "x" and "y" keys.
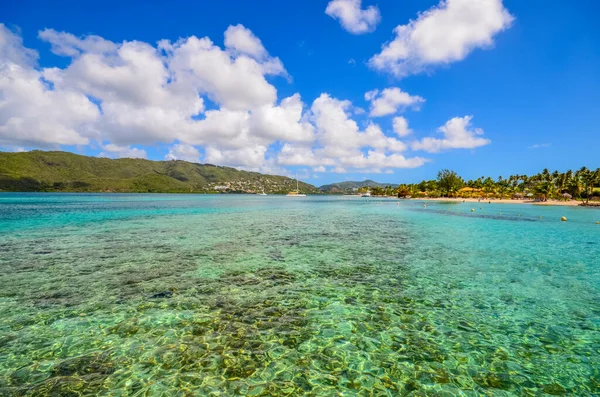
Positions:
{"x": 477, "y": 215}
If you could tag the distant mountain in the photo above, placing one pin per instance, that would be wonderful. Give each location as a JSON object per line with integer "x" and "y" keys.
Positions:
{"x": 351, "y": 186}
{"x": 37, "y": 171}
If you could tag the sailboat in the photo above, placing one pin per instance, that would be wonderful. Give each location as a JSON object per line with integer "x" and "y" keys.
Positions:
{"x": 296, "y": 193}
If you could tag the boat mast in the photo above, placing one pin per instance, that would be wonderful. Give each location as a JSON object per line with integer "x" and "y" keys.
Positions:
{"x": 297, "y": 189}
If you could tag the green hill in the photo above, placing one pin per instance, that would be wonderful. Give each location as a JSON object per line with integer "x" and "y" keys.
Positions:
{"x": 352, "y": 186}
{"x": 40, "y": 171}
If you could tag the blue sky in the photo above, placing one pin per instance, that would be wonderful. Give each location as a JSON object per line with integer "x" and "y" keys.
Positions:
{"x": 484, "y": 87}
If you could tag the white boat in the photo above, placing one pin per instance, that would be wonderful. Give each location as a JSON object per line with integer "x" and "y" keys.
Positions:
{"x": 297, "y": 192}
{"x": 262, "y": 194}
{"x": 367, "y": 194}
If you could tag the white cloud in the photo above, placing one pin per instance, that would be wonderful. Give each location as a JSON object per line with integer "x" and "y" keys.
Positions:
{"x": 141, "y": 101}
{"x": 443, "y": 34}
{"x": 458, "y": 134}
{"x": 235, "y": 129}
{"x": 381, "y": 160}
{"x": 540, "y": 145}
{"x": 352, "y": 17}
{"x": 400, "y": 125}
{"x": 337, "y": 131}
{"x": 341, "y": 144}
{"x": 301, "y": 155}
{"x": 248, "y": 157}
{"x": 391, "y": 100}
{"x": 122, "y": 95}
{"x": 12, "y": 50}
{"x": 68, "y": 45}
{"x": 135, "y": 93}
{"x": 181, "y": 151}
{"x": 233, "y": 82}
{"x": 283, "y": 122}
{"x": 116, "y": 151}
{"x": 31, "y": 113}
{"x": 243, "y": 41}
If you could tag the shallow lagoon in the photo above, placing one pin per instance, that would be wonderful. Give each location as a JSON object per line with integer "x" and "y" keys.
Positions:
{"x": 181, "y": 295}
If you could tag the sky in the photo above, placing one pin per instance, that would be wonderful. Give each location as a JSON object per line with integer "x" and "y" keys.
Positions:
{"x": 327, "y": 90}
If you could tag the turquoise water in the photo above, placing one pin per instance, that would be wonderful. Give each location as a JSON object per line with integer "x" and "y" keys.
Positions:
{"x": 185, "y": 295}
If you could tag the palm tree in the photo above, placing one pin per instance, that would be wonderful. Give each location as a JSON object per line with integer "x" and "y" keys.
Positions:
{"x": 488, "y": 186}
{"x": 543, "y": 184}
{"x": 561, "y": 183}
{"x": 595, "y": 180}
{"x": 587, "y": 180}
{"x": 543, "y": 190}
{"x": 545, "y": 175}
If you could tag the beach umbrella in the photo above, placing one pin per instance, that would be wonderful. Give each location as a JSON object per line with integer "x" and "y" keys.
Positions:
{"x": 567, "y": 195}
{"x": 529, "y": 194}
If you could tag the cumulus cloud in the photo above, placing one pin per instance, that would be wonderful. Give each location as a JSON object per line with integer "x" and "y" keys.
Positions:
{"x": 247, "y": 157}
{"x": 291, "y": 154}
{"x": 12, "y": 51}
{"x": 136, "y": 93}
{"x": 115, "y": 151}
{"x": 284, "y": 122}
{"x": 242, "y": 41}
{"x": 441, "y": 35}
{"x": 181, "y": 151}
{"x": 117, "y": 96}
{"x": 340, "y": 142}
{"x": 233, "y": 82}
{"x": 336, "y": 130}
{"x": 391, "y": 100}
{"x": 31, "y": 113}
{"x": 400, "y": 125}
{"x": 458, "y": 134}
{"x": 69, "y": 45}
{"x": 353, "y": 18}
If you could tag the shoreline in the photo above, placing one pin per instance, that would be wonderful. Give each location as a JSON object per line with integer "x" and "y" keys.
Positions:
{"x": 569, "y": 203}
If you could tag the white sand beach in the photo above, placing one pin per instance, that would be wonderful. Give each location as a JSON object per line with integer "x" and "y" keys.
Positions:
{"x": 571, "y": 203}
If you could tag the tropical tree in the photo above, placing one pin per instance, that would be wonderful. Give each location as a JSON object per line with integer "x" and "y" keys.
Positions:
{"x": 488, "y": 186}
{"x": 543, "y": 190}
{"x": 449, "y": 182}
{"x": 587, "y": 180}
{"x": 580, "y": 184}
{"x": 403, "y": 191}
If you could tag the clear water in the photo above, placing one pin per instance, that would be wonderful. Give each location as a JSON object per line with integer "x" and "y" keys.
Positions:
{"x": 184, "y": 295}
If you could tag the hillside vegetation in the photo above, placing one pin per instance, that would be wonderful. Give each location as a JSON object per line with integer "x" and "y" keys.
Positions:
{"x": 40, "y": 171}
{"x": 352, "y": 186}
